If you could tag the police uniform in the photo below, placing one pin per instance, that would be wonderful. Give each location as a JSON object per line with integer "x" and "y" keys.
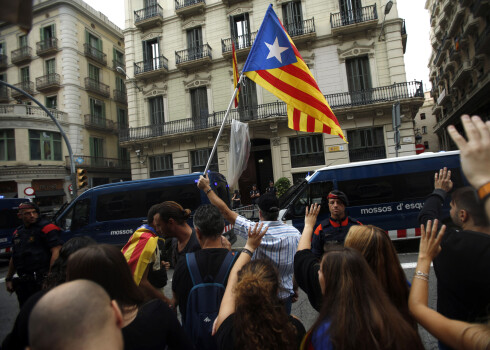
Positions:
{"x": 31, "y": 255}
{"x": 331, "y": 231}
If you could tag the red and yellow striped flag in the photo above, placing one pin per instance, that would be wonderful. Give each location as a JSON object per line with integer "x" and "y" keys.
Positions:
{"x": 275, "y": 64}
{"x": 139, "y": 250}
{"x": 235, "y": 72}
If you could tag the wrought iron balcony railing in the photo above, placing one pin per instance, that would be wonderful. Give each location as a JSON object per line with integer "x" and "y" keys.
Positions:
{"x": 383, "y": 94}
{"x": 3, "y": 61}
{"x": 46, "y": 46}
{"x": 21, "y": 55}
{"x": 345, "y": 18}
{"x": 99, "y": 162}
{"x": 299, "y": 28}
{"x": 97, "y": 87}
{"x": 95, "y": 54}
{"x": 147, "y": 13}
{"x": 48, "y": 81}
{"x": 180, "y": 4}
{"x": 98, "y": 122}
{"x": 27, "y": 86}
{"x": 120, "y": 96}
{"x": 118, "y": 63}
{"x": 241, "y": 42}
{"x": 156, "y": 63}
{"x": 193, "y": 53}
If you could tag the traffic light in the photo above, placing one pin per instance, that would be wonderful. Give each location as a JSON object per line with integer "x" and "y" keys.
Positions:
{"x": 82, "y": 178}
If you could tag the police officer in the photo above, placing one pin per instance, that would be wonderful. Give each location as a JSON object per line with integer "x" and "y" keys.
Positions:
{"x": 333, "y": 229}
{"x": 36, "y": 245}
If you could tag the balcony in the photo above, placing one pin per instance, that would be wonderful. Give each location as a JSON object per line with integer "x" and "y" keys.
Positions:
{"x": 120, "y": 96}
{"x": 48, "y": 82}
{"x": 95, "y": 54}
{"x": 193, "y": 57}
{"x": 456, "y": 19}
{"x": 443, "y": 98}
{"x": 185, "y": 8}
{"x": 117, "y": 63}
{"x": 301, "y": 31}
{"x": 22, "y": 55}
{"x": 461, "y": 75}
{"x": 151, "y": 68}
{"x": 345, "y": 100}
{"x": 97, "y": 87}
{"x": 243, "y": 44}
{"x": 95, "y": 122}
{"x": 354, "y": 20}
{"x": 15, "y": 111}
{"x": 47, "y": 47}
{"x": 4, "y": 94}
{"x": 27, "y": 86}
{"x": 149, "y": 17}
{"x": 90, "y": 163}
{"x": 3, "y": 62}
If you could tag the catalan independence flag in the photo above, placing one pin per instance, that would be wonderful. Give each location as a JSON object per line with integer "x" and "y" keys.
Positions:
{"x": 235, "y": 72}
{"x": 139, "y": 250}
{"x": 275, "y": 64}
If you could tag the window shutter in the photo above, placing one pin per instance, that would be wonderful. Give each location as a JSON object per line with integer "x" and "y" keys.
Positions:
{"x": 42, "y": 33}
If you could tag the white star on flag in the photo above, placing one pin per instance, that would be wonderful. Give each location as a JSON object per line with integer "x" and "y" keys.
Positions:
{"x": 275, "y": 50}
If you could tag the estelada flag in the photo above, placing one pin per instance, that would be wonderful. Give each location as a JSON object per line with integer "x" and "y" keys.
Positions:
{"x": 235, "y": 72}
{"x": 139, "y": 250}
{"x": 275, "y": 64}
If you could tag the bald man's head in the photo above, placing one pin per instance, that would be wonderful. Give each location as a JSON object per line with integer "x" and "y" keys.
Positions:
{"x": 75, "y": 315}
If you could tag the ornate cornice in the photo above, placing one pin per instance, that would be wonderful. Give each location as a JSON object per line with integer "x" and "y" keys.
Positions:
{"x": 356, "y": 50}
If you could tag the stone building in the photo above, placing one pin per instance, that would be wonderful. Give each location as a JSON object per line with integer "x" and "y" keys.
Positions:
{"x": 178, "y": 60}
{"x": 459, "y": 64}
{"x": 67, "y": 62}
{"x": 424, "y": 123}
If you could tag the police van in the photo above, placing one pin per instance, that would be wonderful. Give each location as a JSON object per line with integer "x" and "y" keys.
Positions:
{"x": 388, "y": 193}
{"x": 9, "y": 221}
{"x": 111, "y": 213}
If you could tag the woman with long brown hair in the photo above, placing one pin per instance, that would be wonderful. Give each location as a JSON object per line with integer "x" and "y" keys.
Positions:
{"x": 251, "y": 315}
{"x": 356, "y": 313}
{"x": 375, "y": 245}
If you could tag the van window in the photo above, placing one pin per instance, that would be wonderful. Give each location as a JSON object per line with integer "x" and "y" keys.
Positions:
{"x": 77, "y": 217}
{"x": 135, "y": 204}
{"x": 9, "y": 219}
{"x": 314, "y": 193}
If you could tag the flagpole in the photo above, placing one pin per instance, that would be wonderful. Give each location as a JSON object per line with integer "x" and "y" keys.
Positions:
{"x": 223, "y": 124}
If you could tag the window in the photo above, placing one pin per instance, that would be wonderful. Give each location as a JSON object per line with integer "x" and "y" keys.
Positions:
{"x": 358, "y": 76}
{"x": 298, "y": 177}
{"x": 97, "y": 151}
{"x": 45, "y": 145}
{"x": 426, "y": 144}
{"x": 199, "y": 160}
{"x": 77, "y": 217}
{"x": 122, "y": 118}
{"x": 366, "y": 144}
{"x": 7, "y": 144}
{"x": 424, "y": 130}
{"x": 314, "y": 193}
{"x": 51, "y": 102}
{"x": 118, "y": 58}
{"x": 94, "y": 73}
{"x": 151, "y": 54}
{"x": 124, "y": 156}
{"x": 97, "y": 111}
{"x": 47, "y": 33}
{"x": 306, "y": 151}
{"x": 156, "y": 110}
{"x": 120, "y": 85}
{"x": 199, "y": 105}
{"x": 248, "y": 94}
{"x": 161, "y": 166}
{"x": 240, "y": 30}
{"x": 22, "y": 41}
{"x": 25, "y": 75}
{"x": 2, "y": 49}
{"x": 422, "y": 116}
{"x": 194, "y": 43}
{"x": 350, "y": 11}
{"x": 50, "y": 66}
{"x": 94, "y": 43}
{"x": 293, "y": 18}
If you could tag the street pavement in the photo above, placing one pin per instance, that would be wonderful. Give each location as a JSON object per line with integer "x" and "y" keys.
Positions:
{"x": 302, "y": 308}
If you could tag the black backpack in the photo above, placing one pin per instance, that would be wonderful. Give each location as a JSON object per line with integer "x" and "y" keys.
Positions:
{"x": 204, "y": 301}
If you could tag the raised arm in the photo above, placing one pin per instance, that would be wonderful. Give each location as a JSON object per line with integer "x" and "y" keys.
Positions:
{"x": 432, "y": 205}
{"x": 310, "y": 220}
{"x": 228, "y": 302}
{"x": 227, "y": 213}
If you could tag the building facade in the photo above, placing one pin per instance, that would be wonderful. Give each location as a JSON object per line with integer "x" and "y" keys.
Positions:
{"x": 67, "y": 62}
{"x": 424, "y": 123}
{"x": 178, "y": 59}
{"x": 459, "y": 64}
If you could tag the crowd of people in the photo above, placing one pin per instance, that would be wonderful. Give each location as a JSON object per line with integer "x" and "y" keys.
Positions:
{"x": 83, "y": 295}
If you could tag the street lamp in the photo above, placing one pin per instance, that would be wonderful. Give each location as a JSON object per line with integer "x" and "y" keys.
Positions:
{"x": 388, "y": 7}
{"x": 122, "y": 71}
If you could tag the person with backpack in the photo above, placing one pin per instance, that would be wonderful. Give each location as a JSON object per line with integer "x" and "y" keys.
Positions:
{"x": 199, "y": 279}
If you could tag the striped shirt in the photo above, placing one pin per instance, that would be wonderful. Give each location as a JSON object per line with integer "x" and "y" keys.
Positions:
{"x": 278, "y": 245}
